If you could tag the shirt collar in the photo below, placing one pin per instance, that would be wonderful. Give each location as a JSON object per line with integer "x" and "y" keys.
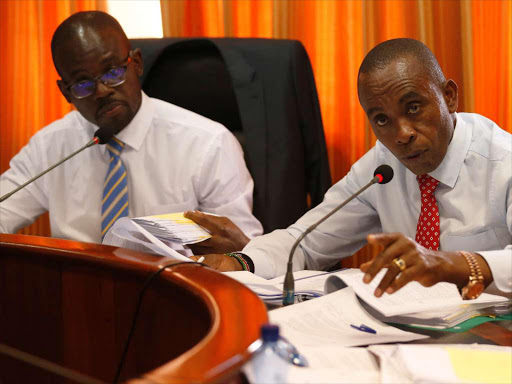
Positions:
{"x": 135, "y": 132}
{"x": 449, "y": 169}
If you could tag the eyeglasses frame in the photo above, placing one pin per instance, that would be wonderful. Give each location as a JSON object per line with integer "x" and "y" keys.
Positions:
{"x": 98, "y": 78}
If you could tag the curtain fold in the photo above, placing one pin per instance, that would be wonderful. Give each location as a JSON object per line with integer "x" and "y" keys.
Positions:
{"x": 471, "y": 39}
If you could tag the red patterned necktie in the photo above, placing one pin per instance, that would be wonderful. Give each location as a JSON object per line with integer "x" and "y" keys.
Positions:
{"x": 427, "y": 231}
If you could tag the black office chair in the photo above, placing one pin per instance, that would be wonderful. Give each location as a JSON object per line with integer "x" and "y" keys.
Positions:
{"x": 262, "y": 90}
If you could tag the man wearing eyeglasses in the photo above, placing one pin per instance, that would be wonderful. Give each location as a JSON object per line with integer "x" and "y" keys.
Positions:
{"x": 162, "y": 159}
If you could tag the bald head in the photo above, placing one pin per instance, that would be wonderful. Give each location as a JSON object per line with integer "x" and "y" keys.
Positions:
{"x": 89, "y": 49}
{"x": 84, "y": 29}
{"x": 390, "y": 51}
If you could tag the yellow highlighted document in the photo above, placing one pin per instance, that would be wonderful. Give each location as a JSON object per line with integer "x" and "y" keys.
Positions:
{"x": 480, "y": 366}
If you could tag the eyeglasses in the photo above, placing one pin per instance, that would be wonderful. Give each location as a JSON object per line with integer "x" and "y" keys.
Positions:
{"x": 112, "y": 78}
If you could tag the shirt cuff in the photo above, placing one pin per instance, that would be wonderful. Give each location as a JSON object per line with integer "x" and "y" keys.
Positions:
{"x": 500, "y": 263}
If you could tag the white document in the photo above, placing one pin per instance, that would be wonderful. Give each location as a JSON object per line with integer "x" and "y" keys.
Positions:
{"x": 173, "y": 227}
{"x": 392, "y": 368}
{"x": 307, "y": 283}
{"x": 128, "y": 234}
{"x": 439, "y": 306}
{"x": 335, "y": 364}
{"x": 328, "y": 320}
{"x": 411, "y": 298}
{"x": 444, "y": 363}
{"x": 248, "y": 278}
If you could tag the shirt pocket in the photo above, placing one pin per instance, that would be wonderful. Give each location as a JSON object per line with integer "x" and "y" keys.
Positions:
{"x": 150, "y": 209}
{"x": 483, "y": 241}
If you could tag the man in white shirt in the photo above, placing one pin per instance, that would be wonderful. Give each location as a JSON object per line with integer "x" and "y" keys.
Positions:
{"x": 170, "y": 159}
{"x": 459, "y": 226}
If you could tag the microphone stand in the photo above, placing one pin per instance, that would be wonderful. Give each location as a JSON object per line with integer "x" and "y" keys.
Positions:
{"x": 289, "y": 283}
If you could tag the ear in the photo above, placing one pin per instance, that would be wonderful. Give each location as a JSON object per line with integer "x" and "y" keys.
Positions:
{"x": 451, "y": 95}
{"x": 138, "y": 61}
{"x": 64, "y": 91}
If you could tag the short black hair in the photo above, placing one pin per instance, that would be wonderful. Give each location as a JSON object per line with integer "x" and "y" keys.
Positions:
{"x": 388, "y": 51}
{"x": 83, "y": 20}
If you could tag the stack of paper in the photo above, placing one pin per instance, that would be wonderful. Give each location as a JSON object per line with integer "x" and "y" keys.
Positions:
{"x": 438, "y": 306}
{"x": 173, "y": 227}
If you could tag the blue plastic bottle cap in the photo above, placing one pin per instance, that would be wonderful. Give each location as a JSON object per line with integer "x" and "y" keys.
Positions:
{"x": 270, "y": 332}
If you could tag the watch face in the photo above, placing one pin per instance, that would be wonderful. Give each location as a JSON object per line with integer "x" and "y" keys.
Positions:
{"x": 472, "y": 290}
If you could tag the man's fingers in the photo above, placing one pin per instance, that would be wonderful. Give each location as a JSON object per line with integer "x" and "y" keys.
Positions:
{"x": 394, "y": 249}
{"x": 405, "y": 277}
{"x": 364, "y": 267}
{"x": 383, "y": 239}
{"x": 393, "y": 280}
{"x": 388, "y": 278}
{"x": 200, "y": 250}
{"x": 381, "y": 261}
{"x": 199, "y": 218}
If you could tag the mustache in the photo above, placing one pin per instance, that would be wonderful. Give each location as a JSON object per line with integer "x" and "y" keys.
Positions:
{"x": 107, "y": 104}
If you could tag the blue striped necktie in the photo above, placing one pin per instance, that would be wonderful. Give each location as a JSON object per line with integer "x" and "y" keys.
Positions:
{"x": 115, "y": 190}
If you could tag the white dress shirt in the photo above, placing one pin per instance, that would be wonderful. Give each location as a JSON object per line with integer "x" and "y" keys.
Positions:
{"x": 474, "y": 198}
{"x": 176, "y": 160}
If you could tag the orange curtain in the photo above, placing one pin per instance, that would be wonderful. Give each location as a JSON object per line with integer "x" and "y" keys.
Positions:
{"x": 29, "y": 97}
{"x": 471, "y": 39}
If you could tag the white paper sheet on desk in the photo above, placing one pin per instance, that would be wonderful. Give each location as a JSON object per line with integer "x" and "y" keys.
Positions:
{"x": 335, "y": 364}
{"x": 306, "y": 282}
{"x": 327, "y": 320}
{"x": 444, "y": 363}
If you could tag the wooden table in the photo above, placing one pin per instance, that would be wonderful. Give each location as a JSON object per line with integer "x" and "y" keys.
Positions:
{"x": 72, "y": 303}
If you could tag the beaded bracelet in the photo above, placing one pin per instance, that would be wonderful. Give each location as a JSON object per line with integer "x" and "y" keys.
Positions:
{"x": 240, "y": 259}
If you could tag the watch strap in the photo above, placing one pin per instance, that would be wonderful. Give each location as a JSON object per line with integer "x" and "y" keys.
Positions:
{"x": 475, "y": 284}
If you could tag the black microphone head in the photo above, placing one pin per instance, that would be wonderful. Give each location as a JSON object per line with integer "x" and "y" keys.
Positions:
{"x": 104, "y": 134}
{"x": 385, "y": 172}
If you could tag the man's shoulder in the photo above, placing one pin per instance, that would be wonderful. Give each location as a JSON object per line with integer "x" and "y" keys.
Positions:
{"x": 70, "y": 126}
{"x": 488, "y": 139}
{"x": 174, "y": 118}
{"x": 364, "y": 168}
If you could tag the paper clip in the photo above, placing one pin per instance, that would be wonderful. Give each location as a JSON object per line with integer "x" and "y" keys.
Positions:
{"x": 363, "y": 328}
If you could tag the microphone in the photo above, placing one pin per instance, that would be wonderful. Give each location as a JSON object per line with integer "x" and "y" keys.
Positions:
{"x": 382, "y": 175}
{"x": 101, "y": 136}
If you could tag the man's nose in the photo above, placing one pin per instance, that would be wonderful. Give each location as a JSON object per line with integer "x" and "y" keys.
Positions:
{"x": 102, "y": 90}
{"x": 405, "y": 132}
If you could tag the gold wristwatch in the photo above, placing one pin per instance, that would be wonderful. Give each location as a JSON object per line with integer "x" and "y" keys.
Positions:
{"x": 475, "y": 285}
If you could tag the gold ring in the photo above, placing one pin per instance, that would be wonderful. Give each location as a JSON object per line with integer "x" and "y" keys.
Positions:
{"x": 400, "y": 264}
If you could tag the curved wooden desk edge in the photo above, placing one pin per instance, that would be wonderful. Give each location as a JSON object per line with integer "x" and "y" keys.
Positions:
{"x": 236, "y": 311}
{"x": 226, "y": 347}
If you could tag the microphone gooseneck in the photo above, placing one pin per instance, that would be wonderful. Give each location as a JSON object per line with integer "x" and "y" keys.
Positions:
{"x": 101, "y": 136}
{"x": 382, "y": 175}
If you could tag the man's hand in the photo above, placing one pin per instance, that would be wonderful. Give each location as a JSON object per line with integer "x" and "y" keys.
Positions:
{"x": 226, "y": 236}
{"x": 220, "y": 262}
{"x": 422, "y": 265}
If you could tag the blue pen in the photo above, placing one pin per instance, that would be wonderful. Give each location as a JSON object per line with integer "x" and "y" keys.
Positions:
{"x": 363, "y": 328}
